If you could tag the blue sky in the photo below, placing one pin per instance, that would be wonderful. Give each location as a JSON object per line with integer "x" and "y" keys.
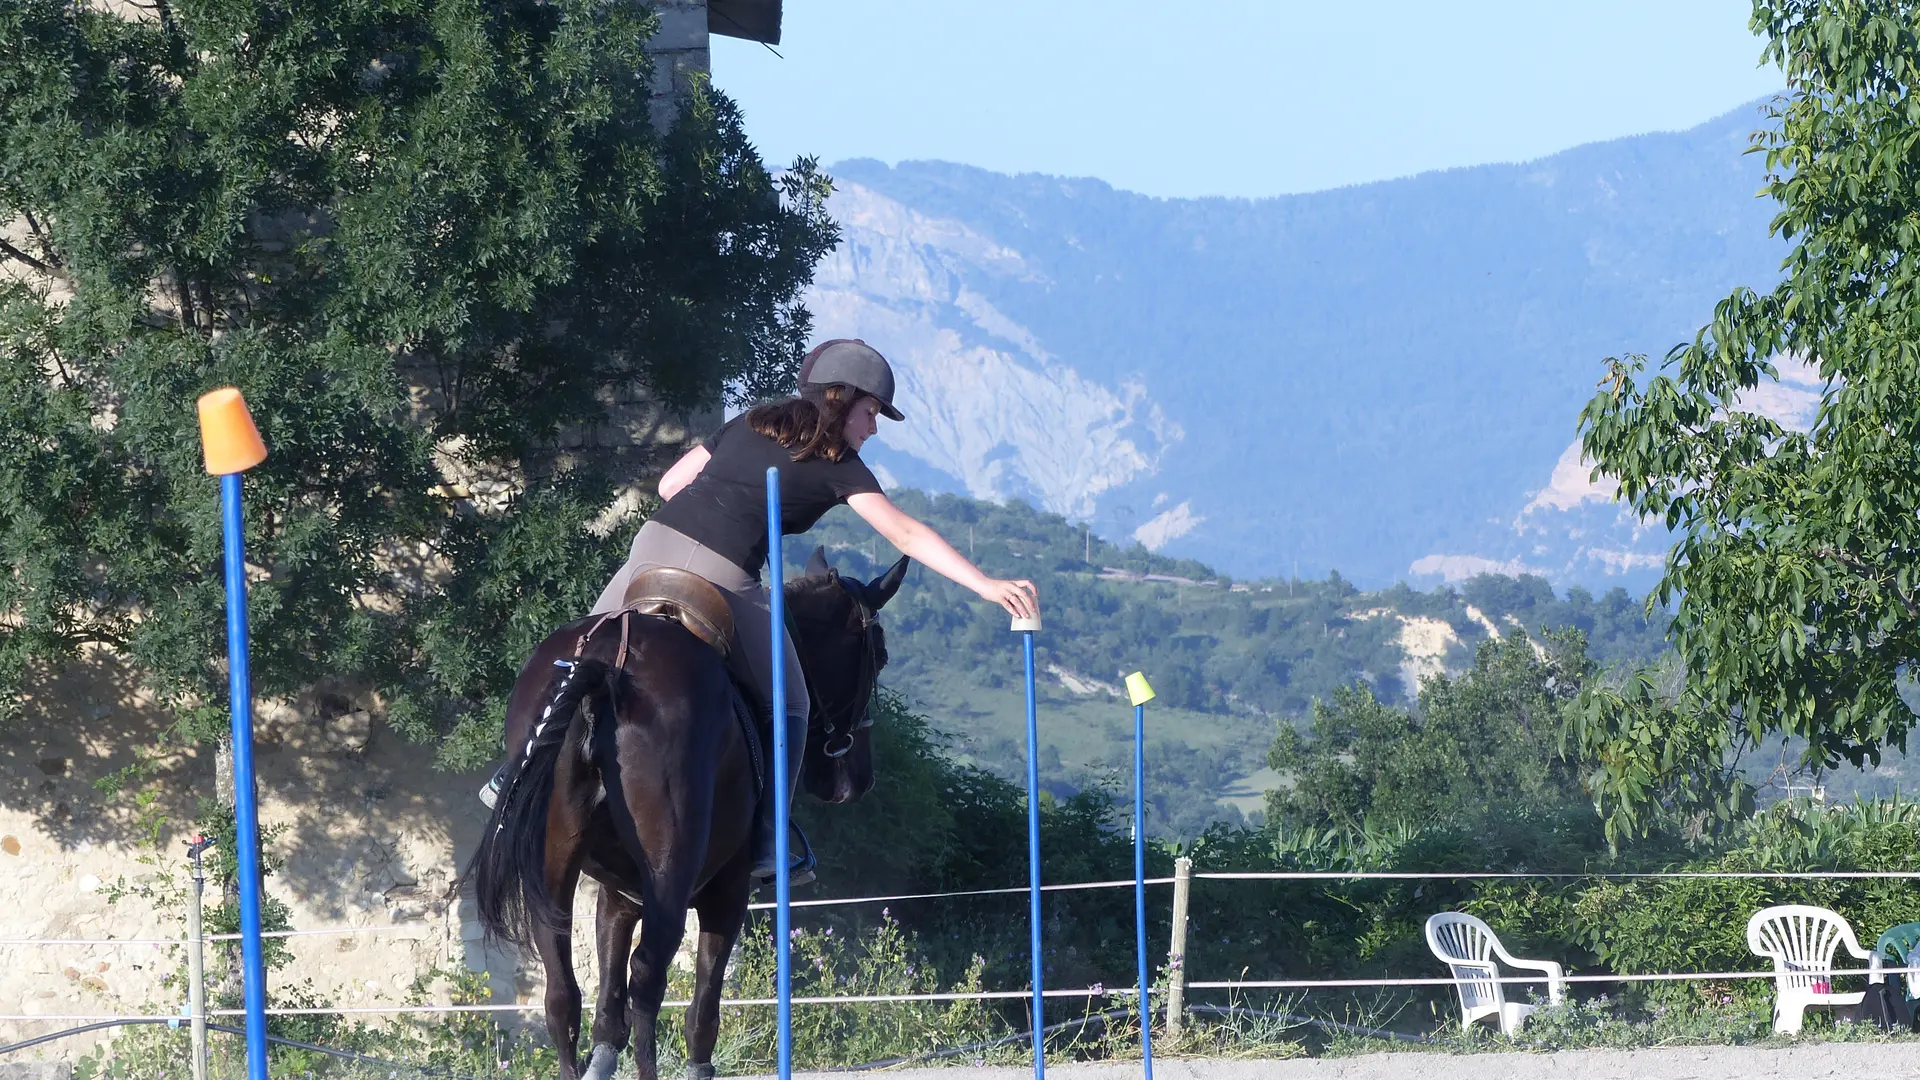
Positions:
{"x": 1235, "y": 97}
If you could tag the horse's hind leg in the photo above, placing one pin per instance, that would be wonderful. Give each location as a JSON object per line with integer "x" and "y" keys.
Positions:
{"x": 722, "y": 905}
{"x": 663, "y": 922}
{"x": 554, "y": 943}
{"x": 614, "y": 918}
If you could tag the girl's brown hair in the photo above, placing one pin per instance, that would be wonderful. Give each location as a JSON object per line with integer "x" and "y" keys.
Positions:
{"x": 813, "y": 425}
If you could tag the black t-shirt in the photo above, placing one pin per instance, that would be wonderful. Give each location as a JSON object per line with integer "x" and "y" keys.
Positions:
{"x": 725, "y": 507}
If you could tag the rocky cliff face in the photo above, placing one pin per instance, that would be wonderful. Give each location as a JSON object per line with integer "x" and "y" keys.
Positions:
{"x": 1382, "y": 380}
{"x": 994, "y": 414}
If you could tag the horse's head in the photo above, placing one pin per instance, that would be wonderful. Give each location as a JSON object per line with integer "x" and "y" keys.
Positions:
{"x": 842, "y": 649}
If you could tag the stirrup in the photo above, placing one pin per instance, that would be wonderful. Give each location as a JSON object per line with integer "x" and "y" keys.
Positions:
{"x": 800, "y": 867}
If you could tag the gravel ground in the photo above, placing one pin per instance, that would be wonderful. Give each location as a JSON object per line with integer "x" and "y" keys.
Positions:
{"x": 1851, "y": 1061}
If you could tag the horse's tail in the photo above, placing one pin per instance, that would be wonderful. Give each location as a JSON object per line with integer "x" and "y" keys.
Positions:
{"x": 508, "y": 869}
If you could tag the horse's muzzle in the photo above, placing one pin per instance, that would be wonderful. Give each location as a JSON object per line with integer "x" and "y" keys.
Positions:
{"x": 846, "y": 787}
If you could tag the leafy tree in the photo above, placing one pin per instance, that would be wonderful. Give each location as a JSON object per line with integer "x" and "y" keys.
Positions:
{"x": 424, "y": 237}
{"x": 1485, "y": 743}
{"x": 1795, "y": 567}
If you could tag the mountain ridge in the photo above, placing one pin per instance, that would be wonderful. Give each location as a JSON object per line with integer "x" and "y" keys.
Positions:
{"x": 1382, "y": 378}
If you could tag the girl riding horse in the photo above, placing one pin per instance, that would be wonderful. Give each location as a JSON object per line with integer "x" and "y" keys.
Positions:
{"x": 714, "y": 523}
{"x": 627, "y": 768}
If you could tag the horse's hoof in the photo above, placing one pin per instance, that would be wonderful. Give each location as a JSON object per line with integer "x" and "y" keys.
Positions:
{"x": 600, "y": 1065}
{"x": 700, "y": 1072}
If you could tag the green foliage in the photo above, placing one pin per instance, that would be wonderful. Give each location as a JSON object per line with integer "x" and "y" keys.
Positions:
{"x": 1483, "y": 744}
{"x": 1227, "y": 659}
{"x": 423, "y": 237}
{"x": 1209, "y": 646}
{"x": 932, "y": 824}
{"x": 1794, "y": 570}
{"x": 883, "y": 959}
{"x": 420, "y": 1045}
{"x": 1651, "y": 760}
{"x": 1699, "y": 924}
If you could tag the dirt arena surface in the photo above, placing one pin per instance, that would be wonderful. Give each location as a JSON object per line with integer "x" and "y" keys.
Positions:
{"x": 1852, "y": 1061}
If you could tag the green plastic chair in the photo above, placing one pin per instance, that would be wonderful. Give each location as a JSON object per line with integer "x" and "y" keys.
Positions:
{"x": 1897, "y": 949}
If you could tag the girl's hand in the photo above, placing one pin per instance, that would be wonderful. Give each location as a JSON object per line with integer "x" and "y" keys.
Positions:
{"x": 1020, "y": 598}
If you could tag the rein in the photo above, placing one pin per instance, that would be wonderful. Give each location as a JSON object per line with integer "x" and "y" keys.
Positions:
{"x": 836, "y": 729}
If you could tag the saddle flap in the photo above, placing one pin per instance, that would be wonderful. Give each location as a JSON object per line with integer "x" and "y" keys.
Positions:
{"x": 687, "y": 598}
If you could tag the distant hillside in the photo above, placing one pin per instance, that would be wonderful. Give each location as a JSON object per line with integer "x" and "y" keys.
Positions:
{"x": 1229, "y": 659}
{"x": 1382, "y": 379}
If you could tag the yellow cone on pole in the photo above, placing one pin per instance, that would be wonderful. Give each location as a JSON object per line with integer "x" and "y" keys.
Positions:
{"x": 1138, "y": 692}
{"x": 227, "y": 436}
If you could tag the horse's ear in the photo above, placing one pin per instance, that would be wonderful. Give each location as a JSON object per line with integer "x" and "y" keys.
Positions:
{"x": 817, "y": 563}
{"x": 881, "y": 589}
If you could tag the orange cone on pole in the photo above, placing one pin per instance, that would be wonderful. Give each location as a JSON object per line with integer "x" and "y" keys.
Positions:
{"x": 227, "y": 435}
{"x": 232, "y": 446}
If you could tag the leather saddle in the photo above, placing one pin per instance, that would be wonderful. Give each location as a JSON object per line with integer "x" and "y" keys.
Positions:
{"x": 686, "y": 598}
{"x": 697, "y": 604}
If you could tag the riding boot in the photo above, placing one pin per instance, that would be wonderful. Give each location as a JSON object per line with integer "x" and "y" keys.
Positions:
{"x": 800, "y": 861}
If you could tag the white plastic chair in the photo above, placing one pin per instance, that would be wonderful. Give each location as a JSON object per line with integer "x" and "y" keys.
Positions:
{"x": 1468, "y": 947}
{"x": 1801, "y": 940}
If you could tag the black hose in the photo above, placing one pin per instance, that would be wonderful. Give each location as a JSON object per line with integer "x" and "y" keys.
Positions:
{"x": 83, "y": 1029}
{"x": 424, "y": 1070}
{"x": 296, "y": 1043}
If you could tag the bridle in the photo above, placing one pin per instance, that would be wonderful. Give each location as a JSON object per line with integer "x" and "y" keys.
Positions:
{"x": 837, "y": 728}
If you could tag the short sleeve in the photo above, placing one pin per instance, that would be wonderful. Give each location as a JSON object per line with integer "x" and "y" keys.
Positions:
{"x": 712, "y": 442}
{"x": 851, "y": 477}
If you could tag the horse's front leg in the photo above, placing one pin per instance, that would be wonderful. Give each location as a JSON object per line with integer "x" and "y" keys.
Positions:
{"x": 722, "y": 905}
{"x": 614, "y": 919}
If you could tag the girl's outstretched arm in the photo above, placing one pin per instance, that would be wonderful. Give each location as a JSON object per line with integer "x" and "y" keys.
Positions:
{"x": 920, "y": 543}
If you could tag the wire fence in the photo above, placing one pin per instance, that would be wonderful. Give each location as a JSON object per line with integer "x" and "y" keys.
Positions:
{"x": 1089, "y": 992}
{"x": 425, "y": 929}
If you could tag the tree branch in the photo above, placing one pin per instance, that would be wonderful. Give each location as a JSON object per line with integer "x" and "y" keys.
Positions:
{"x": 39, "y": 231}
{"x": 1859, "y": 566}
{"x": 14, "y": 252}
{"x": 184, "y": 289}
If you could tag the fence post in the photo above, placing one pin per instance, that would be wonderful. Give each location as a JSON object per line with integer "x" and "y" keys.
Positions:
{"x": 196, "y": 958}
{"x": 1177, "y": 953}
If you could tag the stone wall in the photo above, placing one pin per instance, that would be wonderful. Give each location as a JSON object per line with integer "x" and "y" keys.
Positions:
{"x": 680, "y": 54}
{"x": 373, "y": 838}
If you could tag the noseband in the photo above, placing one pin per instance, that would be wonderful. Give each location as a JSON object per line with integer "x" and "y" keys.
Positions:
{"x": 837, "y": 728}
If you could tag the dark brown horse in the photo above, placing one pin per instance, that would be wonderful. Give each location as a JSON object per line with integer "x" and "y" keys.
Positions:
{"x": 635, "y": 772}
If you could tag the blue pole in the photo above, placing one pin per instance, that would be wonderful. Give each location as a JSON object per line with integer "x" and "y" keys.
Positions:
{"x": 1033, "y": 862}
{"x": 1140, "y": 878}
{"x": 246, "y": 817}
{"x": 782, "y": 913}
